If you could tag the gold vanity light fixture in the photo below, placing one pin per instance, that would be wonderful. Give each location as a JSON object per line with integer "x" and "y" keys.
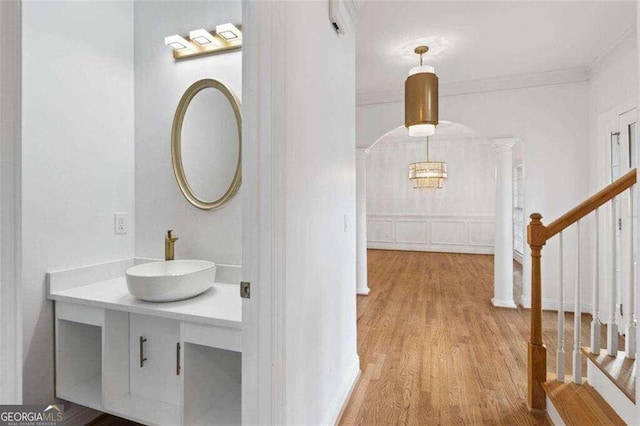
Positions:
{"x": 203, "y": 38}
{"x": 177, "y": 43}
{"x": 229, "y": 32}
{"x": 203, "y": 42}
{"x": 421, "y": 98}
{"x": 428, "y": 174}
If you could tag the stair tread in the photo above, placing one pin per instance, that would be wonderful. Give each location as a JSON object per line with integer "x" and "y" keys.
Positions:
{"x": 580, "y": 404}
{"x": 619, "y": 369}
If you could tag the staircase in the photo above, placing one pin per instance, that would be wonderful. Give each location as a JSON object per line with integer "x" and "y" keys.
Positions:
{"x": 579, "y": 405}
{"x": 607, "y": 394}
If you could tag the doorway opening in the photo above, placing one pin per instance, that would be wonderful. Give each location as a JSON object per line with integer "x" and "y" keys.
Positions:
{"x": 460, "y": 217}
{"x": 623, "y": 159}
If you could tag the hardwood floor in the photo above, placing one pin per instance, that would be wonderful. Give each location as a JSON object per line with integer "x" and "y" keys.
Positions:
{"x": 581, "y": 405}
{"x": 77, "y": 415}
{"x": 112, "y": 421}
{"x": 433, "y": 350}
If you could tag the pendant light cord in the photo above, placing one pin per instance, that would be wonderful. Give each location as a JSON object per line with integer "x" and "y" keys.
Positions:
{"x": 427, "y": 149}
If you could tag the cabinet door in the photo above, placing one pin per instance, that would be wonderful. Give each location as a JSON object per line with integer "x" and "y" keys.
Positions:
{"x": 155, "y": 377}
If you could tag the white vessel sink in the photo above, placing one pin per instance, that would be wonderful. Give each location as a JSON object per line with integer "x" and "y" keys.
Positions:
{"x": 170, "y": 280}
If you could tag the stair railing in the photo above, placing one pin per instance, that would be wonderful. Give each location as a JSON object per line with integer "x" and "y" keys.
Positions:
{"x": 537, "y": 236}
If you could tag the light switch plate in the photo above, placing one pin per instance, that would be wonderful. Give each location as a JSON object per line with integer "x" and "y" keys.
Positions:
{"x": 120, "y": 223}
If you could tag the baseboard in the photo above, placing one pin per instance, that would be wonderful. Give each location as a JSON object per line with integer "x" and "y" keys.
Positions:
{"x": 362, "y": 291}
{"x": 503, "y": 303}
{"x": 341, "y": 399}
{"x": 432, "y": 248}
{"x": 552, "y": 305}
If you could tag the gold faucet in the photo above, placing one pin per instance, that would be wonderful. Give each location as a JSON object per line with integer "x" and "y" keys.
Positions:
{"x": 169, "y": 246}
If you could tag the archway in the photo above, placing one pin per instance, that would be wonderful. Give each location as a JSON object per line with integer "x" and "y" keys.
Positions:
{"x": 472, "y": 214}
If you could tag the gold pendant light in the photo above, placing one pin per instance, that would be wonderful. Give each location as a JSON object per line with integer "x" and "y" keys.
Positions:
{"x": 421, "y": 98}
{"x": 428, "y": 174}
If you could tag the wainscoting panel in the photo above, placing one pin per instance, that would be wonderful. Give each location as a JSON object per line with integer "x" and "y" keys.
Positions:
{"x": 442, "y": 233}
{"x": 480, "y": 233}
{"x": 380, "y": 230}
{"x": 412, "y": 231}
{"x": 447, "y": 233}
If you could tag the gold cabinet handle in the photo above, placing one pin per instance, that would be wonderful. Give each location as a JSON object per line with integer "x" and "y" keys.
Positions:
{"x": 142, "y": 357}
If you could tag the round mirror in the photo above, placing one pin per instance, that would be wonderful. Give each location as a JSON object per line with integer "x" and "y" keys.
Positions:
{"x": 206, "y": 144}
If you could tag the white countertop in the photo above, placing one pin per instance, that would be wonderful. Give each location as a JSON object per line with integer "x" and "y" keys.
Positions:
{"x": 221, "y": 305}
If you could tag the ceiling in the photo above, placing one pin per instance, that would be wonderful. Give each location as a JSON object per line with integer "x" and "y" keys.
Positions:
{"x": 475, "y": 40}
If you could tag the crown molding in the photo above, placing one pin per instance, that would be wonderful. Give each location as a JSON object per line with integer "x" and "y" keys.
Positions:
{"x": 496, "y": 84}
{"x": 629, "y": 33}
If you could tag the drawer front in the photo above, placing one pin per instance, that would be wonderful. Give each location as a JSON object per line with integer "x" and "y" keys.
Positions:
{"x": 212, "y": 336}
{"x": 79, "y": 313}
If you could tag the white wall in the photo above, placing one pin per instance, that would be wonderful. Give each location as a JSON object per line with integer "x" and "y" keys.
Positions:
{"x": 10, "y": 142}
{"x": 160, "y": 82}
{"x": 552, "y": 121}
{"x": 457, "y": 218}
{"x": 566, "y": 145}
{"x": 612, "y": 91}
{"x": 77, "y": 156}
{"x": 320, "y": 315}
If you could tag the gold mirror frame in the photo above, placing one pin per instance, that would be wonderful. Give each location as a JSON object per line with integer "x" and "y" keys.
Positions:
{"x": 176, "y": 144}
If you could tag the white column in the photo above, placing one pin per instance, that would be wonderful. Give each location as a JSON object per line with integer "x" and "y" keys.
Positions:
{"x": 361, "y": 221}
{"x": 503, "y": 217}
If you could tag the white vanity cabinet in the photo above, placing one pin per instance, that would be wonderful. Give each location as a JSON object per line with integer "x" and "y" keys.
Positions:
{"x": 211, "y": 362}
{"x": 79, "y": 342}
{"x": 151, "y": 370}
{"x": 154, "y": 358}
{"x": 186, "y": 369}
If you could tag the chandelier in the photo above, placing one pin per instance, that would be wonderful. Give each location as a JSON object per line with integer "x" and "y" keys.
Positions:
{"x": 428, "y": 174}
{"x": 421, "y": 98}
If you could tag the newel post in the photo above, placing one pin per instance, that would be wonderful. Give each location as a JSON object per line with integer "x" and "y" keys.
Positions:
{"x": 537, "y": 359}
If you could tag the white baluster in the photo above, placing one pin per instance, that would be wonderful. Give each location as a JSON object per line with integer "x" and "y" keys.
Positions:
{"x": 630, "y": 329}
{"x": 595, "y": 319}
{"x": 560, "y": 352}
{"x": 577, "y": 317}
{"x": 612, "y": 327}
